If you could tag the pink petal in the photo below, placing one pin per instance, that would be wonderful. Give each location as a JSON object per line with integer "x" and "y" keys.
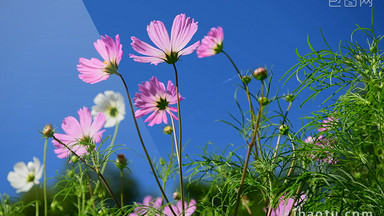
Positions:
{"x": 159, "y": 35}
{"x": 189, "y": 49}
{"x": 85, "y": 119}
{"x": 97, "y": 123}
{"x": 146, "y": 49}
{"x": 146, "y": 59}
{"x": 71, "y": 126}
{"x": 182, "y": 32}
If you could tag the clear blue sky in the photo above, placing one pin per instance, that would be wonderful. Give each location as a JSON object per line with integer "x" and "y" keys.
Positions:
{"x": 41, "y": 42}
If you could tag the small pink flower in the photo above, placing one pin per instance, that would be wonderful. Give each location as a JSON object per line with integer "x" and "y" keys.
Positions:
{"x": 154, "y": 97}
{"x": 285, "y": 206}
{"x": 79, "y": 134}
{"x": 169, "y": 49}
{"x": 322, "y": 142}
{"x": 148, "y": 204}
{"x": 326, "y": 124}
{"x": 211, "y": 44}
{"x": 93, "y": 70}
{"x": 189, "y": 208}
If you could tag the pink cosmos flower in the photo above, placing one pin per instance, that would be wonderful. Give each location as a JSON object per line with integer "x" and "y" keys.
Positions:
{"x": 93, "y": 70}
{"x": 149, "y": 205}
{"x": 79, "y": 134}
{"x": 169, "y": 49}
{"x": 322, "y": 142}
{"x": 211, "y": 44}
{"x": 189, "y": 208}
{"x": 285, "y": 206}
{"x": 154, "y": 97}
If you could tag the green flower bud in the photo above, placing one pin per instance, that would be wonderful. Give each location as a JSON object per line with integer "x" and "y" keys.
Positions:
{"x": 176, "y": 195}
{"x": 284, "y": 129}
{"x": 74, "y": 159}
{"x": 263, "y": 100}
{"x": 70, "y": 173}
{"x": 162, "y": 161}
{"x": 260, "y": 73}
{"x": 168, "y": 130}
{"x": 289, "y": 98}
{"x": 246, "y": 79}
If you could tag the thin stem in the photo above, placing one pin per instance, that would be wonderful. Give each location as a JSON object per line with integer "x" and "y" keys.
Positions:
{"x": 110, "y": 149}
{"x": 254, "y": 135}
{"x": 94, "y": 169}
{"x": 45, "y": 178}
{"x": 279, "y": 137}
{"x": 169, "y": 165}
{"x": 247, "y": 93}
{"x": 121, "y": 188}
{"x": 180, "y": 143}
{"x": 142, "y": 143}
{"x": 82, "y": 188}
{"x": 108, "y": 154}
{"x": 37, "y": 202}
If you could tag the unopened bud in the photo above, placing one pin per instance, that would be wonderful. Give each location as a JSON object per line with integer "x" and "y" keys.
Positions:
{"x": 263, "y": 100}
{"x": 283, "y": 129}
{"x": 74, "y": 159}
{"x": 162, "y": 161}
{"x": 168, "y": 130}
{"x": 260, "y": 73}
{"x": 176, "y": 195}
{"x": 358, "y": 57}
{"x": 70, "y": 173}
{"x": 121, "y": 161}
{"x": 47, "y": 131}
{"x": 289, "y": 98}
{"x": 246, "y": 79}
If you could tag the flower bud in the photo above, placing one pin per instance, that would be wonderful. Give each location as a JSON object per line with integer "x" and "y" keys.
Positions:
{"x": 121, "y": 161}
{"x": 176, "y": 195}
{"x": 260, "y": 73}
{"x": 284, "y": 129}
{"x": 162, "y": 161}
{"x": 74, "y": 159}
{"x": 70, "y": 173}
{"x": 289, "y": 98}
{"x": 168, "y": 130}
{"x": 246, "y": 79}
{"x": 47, "y": 131}
{"x": 263, "y": 100}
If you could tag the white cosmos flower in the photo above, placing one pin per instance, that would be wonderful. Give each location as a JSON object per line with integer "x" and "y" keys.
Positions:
{"x": 112, "y": 105}
{"x": 25, "y": 176}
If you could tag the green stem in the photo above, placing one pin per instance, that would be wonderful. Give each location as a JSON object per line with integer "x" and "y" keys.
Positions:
{"x": 121, "y": 188}
{"x": 254, "y": 135}
{"x": 108, "y": 154}
{"x": 142, "y": 143}
{"x": 37, "y": 202}
{"x": 169, "y": 165}
{"x": 248, "y": 96}
{"x": 45, "y": 178}
{"x": 180, "y": 142}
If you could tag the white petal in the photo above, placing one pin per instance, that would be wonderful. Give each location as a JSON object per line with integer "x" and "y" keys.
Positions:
{"x": 25, "y": 188}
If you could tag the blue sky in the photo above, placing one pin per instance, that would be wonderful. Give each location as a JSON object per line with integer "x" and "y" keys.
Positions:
{"x": 43, "y": 41}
